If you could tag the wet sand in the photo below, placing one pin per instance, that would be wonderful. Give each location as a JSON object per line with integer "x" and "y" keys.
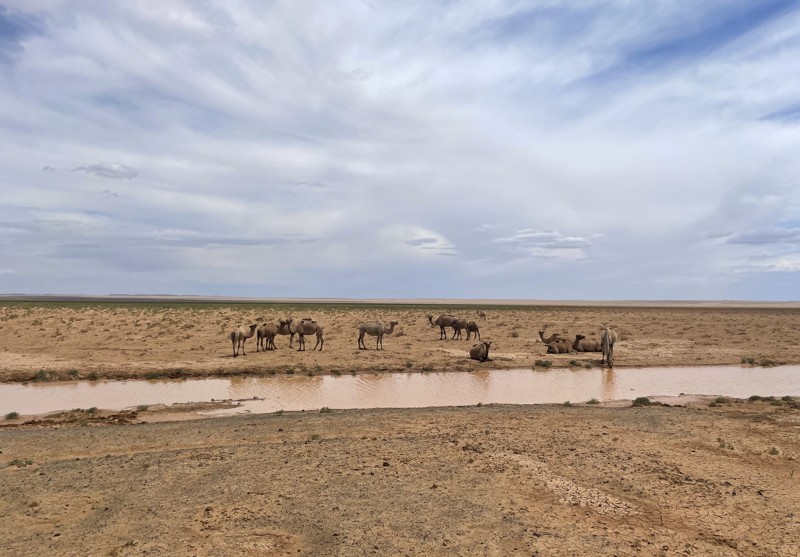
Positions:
{"x": 610, "y": 479}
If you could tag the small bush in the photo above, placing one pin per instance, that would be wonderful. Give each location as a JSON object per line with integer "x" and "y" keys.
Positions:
{"x": 722, "y": 400}
{"x": 41, "y": 375}
{"x": 768, "y": 362}
{"x": 774, "y": 451}
{"x": 153, "y": 375}
{"x": 567, "y": 403}
{"x": 325, "y": 410}
{"x": 755, "y": 398}
{"x": 93, "y": 376}
{"x": 92, "y": 410}
{"x": 409, "y": 364}
{"x": 12, "y": 415}
{"x": 142, "y": 407}
{"x": 514, "y": 334}
{"x": 314, "y": 437}
{"x": 18, "y": 462}
{"x": 748, "y": 360}
{"x": 787, "y": 398}
{"x": 542, "y": 363}
{"x": 73, "y": 373}
{"x": 642, "y": 401}
{"x": 479, "y": 404}
{"x": 592, "y": 401}
{"x": 575, "y": 363}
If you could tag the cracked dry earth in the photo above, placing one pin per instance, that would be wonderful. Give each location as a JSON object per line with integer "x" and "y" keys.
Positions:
{"x": 491, "y": 480}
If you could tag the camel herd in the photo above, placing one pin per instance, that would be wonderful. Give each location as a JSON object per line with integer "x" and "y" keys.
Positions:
{"x": 556, "y": 343}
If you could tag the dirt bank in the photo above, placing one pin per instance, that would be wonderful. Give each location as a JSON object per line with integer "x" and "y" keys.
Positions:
{"x": 499, "y": 481}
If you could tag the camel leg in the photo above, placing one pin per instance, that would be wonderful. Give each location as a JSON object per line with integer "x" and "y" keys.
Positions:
{"x": 320, "y": 341}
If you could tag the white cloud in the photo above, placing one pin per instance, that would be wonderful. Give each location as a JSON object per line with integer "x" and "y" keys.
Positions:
{"x": 359, "y": 144}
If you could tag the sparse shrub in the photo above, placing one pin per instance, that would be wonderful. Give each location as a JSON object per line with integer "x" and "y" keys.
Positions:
{"x": 768, "y": 362}
{"x": 290, "y": 371}
{"x": 514, "y": 334}
{"x": 724, "y": 444}
{"x": 575, "y": 363}
{"x": 754, "y": 398}
{"x": 787, "y": 398}
{"x": 12, "y": 415}
{"x": 722, "y": 400}
{"x": 93, "y": 376}
{"x": 73, "y": 373}
{"x": 19, "y": 463}
{"x": 592, "y": 401}
{"x": 279, "y": 413}
{"x": 142, "y": 407}
{"x": 325, "y": 410}
{"x": 774, "y": 451}
{"x": 642, "y": 401}
{"x": 479, "y": 404}
{"x": 567, "y": 403}
{"x": 542, "y": 363}
{"x": 153, "y": 375}
{"x": 314, "y": 437}
{"x": 92, "y": 410}
{"x": 409, "y": 364}
{"x": 336, "y": 372}
{"x": 41, "y": 375}
{"x": 748, "y": 360}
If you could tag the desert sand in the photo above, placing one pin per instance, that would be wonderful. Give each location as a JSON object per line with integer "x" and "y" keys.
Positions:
{"x": 697, "y": 476}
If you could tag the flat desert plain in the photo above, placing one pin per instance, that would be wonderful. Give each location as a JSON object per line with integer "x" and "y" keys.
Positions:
{"x": 686, "y": 478}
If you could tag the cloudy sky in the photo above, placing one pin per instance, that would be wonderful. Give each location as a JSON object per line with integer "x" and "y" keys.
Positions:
{"x": 581, "y": 149}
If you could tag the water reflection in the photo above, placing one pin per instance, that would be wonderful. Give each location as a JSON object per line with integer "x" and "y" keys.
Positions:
{"x": 404, "y": 390}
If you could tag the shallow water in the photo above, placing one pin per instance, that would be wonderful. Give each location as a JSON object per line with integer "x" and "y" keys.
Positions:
{"x": 405, "y": 390}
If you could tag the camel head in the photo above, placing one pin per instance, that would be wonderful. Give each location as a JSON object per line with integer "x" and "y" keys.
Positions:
{"x": 579, "y": 337}
{"x": 430, "y": 318}
{"x": 253, "y": 326}
{"x": 488, "y": 343}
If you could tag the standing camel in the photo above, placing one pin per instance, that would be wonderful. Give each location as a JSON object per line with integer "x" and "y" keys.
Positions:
{"x": 239, "y": 336}
{"x": 375, "y": 329}
{"x": 265, "y": 336}
{"x": 443, "y": 321}
{"x": 481, "y": 314}
{"x": 607, "y": 340}
{"x": 472, "y": 328}
{"x": 306, "y": 327}
{"x": 458, "y": 326}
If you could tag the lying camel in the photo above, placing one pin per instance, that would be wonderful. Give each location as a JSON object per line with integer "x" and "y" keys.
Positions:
{"x": 551, "y": 338}
{"x": 472, "y": 328}
{"x": 375, "y": 329}
{"x": 582, "y": 344}
{"x": 239, "y": 336}
{"x": 559, "y": 346}
{"x": 480, "y": 351}
{"x": 607, "y": 340}
{"x": 443, "y": 321}
{"x": 265, "y": 336}
{"x": 306, "y": 327}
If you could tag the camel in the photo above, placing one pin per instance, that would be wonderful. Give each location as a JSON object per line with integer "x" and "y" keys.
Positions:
{"x": 306, "y": 327}
{"x": 375, "y": 329}
{"x": 607, "y": 340}
{"x": 472, "y": 327}
{"x": 480, "y": 351}
{"x": 551, "y": 338}
{"x": 443, "y": 321}
{"x": 559, "y": 346}
{"x": 265, "y": 336}
{"x": 581, "y": 344}
{"x": 239, "y": 336}
{"x": 481, "y": 314}
{"x": 283, "y": 329}
{"x": 458, "y": 326}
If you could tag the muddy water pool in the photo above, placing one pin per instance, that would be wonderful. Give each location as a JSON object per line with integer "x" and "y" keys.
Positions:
{"x": 404, "y": 390}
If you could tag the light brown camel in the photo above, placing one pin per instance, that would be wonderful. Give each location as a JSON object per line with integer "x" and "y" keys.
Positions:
{"x": 481, "y": 314}
{"x": 307, "y": 327}
{"x": 472, "y": 328}
{"x": 559, "y": 346}
{"x": 375, "y": 329}
{"x": 239, "y": 336}
{"x": 582, "y": 344}
{"x": 551, "y": 338}
{"x": 265, "y": 336}
{"x": 443, "y": 321}
{"x": 480, "y": 351}
{"x": 607, "y": 340}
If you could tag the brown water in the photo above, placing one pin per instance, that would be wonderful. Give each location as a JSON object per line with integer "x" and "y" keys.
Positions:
{"x": 405, "y": 390}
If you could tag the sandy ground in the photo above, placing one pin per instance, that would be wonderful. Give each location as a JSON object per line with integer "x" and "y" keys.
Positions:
{"x": 609, "y": 479}
{"x": 500, "y": 481}
{"x": 48, "y": 341}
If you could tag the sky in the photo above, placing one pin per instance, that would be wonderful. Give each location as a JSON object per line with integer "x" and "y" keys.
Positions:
{"x": 582, "y": 149}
